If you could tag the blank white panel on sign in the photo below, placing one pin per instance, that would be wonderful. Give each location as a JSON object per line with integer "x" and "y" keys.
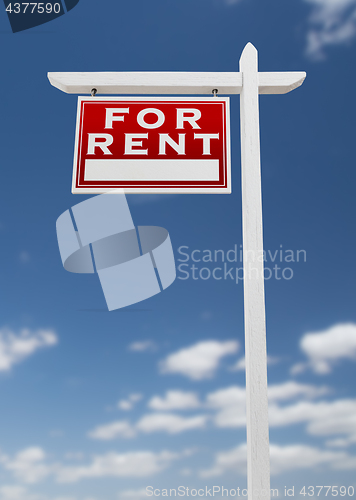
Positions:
{"x": 158, "y": 170}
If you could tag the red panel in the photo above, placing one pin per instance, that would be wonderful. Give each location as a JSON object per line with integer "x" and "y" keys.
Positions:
{"x": 92, "y": 119}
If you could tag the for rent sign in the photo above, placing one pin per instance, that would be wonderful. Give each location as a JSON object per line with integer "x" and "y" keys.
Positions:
{"x": 152, "y": 145}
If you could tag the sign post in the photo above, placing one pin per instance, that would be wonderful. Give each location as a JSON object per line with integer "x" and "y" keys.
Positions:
{"x": 249, "y": 82}
{"x": 258, "y": 470}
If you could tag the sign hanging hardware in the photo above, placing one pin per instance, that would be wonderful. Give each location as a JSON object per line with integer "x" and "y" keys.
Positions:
{"x": 215, "y": 92}
{"x": 93, "y": 92}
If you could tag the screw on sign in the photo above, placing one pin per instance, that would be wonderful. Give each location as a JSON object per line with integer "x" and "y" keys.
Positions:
{"x": 25, "y": 15}
{"x": 249, "y": 83}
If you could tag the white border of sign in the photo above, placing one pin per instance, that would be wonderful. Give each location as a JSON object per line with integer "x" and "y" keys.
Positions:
{"x": 147, "y": 190}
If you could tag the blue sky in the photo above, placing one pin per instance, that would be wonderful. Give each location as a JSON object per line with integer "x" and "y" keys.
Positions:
{"x": 98, "y": 405}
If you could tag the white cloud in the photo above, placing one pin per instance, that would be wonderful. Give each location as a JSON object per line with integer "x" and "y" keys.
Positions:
{"x": 298, "y": 368}
{"x": 174, "y": 400}
{"x": 324, "y": 418}
{"x": 226, "y": 461}
{"x": 291, "y": 457}
{"x": 132, "y": 464}
{"x": 32, "y": 466}
{"x": 230, "y": 402}
{"x": 142, "y": 346}
{"x": 199, "y": 361}
{"x": 331, "y": 22}
{"x": 113, "y": 430}
{"x": 239, "y": 366}
{"x": 152, "y": 422}
{"x": 226, "y": 408}
{"x": 16, "y": 492}
{"x": 292, "y": 389}
{"x": 12, "y": 492}
{"x": 335, "y": 418}
{"x": 14, "y": 348}
{"x": 170, "y": 423}
{"x": 340, "y": 442}
{"x": 327, "y": 347}
{"x": 129, "y": 403}
{"x": 283, "y": 458}
{"x": 142, "y": 493}
{"x": 125, "y": 405}
{"x": 28, "y": 465}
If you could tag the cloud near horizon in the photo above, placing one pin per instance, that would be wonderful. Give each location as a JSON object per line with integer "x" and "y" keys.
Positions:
{"x": 31, "y": 466}
{"x": 226, "y": 408}
{"x": 283, "y": 459}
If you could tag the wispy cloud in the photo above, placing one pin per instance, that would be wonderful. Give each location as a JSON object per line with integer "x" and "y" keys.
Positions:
{"x": 175, "y": 400}
{"x": 331, "y": 22}
{"x": 230, "y": 406}
{"x": 324, "y": 349}
{"x": 329, "y": 419}
{"x": 24, "y": 257}
{"x": 134, "y": 494}
{"x": 292, "y": 389}
{"x": 199, "y": 361}
{"x": 224, "y": 408}
{"x": 170, "y": 423}
{"x": 13, "y": 492}
{"x": 28, "y": 466}
{"x": 32, "y": 466}
{"x": 129, "y": 403}
{"x": 15, "y": 347}
{"x": 132, "y": 464}
{"x": 230, "y": 403}
{"x": 232, "y": 2}
{"x": 142, "y": 346}
{"x": 113, "y": 430}
{"x": 283, "y": 458}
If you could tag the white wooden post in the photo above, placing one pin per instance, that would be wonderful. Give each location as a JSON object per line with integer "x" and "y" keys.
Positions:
{"x": 258, "y": 470}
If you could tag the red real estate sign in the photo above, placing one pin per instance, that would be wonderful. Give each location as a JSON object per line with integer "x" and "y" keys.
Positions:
{"x": 152, "y": 145}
